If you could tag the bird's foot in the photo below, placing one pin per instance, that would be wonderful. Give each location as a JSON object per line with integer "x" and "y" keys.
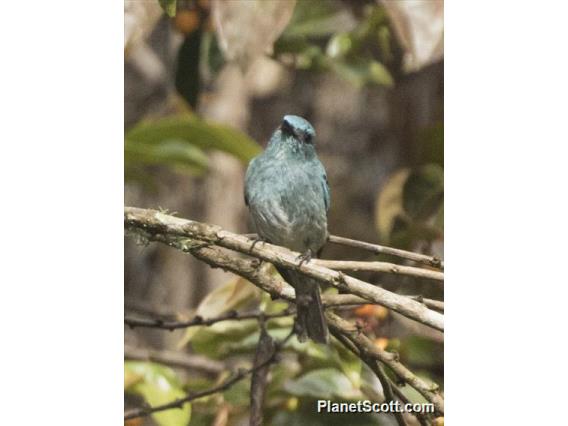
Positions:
{"x": 255, "y": 241}
{"x": 305, "y": 257}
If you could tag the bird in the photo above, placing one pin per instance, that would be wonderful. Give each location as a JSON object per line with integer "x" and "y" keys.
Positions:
{"x": 288, "y": 196}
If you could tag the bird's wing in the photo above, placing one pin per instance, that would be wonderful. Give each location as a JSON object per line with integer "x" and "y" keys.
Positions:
{"x": 326, "y": 192}
{"x": 248, "y": 175}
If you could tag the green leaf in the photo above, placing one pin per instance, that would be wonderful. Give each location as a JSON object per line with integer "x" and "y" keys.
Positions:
{"x": 361, "y": 72}
{"x": 326, "y": 383}
{"x": 157, "y": 385}
{"x": 423, "y": 191}
{"x": 339, "y": 45}
{"x": 318, "y": 19}
{"x": 169, "y": 6}
{"x": 197, "y": 132}
{"x": 349, "y": 364}
{"x": 421, "y": 352}
{"x": 173, "y": 152}
{"x": 229, "y": 296}
{"x": 379, "y": 74}
{"x": 389, "y": 203}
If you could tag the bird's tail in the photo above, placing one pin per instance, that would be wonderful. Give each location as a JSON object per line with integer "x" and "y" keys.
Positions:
{"x": 310, "y": 317}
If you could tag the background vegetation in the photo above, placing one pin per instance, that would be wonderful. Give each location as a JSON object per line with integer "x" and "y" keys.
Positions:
{"x": 205, "y": 85}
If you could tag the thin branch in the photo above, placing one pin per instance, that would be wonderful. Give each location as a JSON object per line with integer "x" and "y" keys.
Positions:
{"x": 431, "y": 303}
{"x": 175, "y": 359}
{"x": 178, "y": 403}
{"x": 375, "y": 367}
{"x": 351, "y": 265}
{"x": 387, "y": 388}
{"x": 198, "y": 320}
{"x": 368, "y": 348}
{"x": 378, "y": 249}
{"x": 349, "y": 299}
{"x": 147, "y": 308}
{"x": 195, "y": 237}
{"x": 160, "y": 229}
{"x": 279, "y": 288}
{"x": 420, "y": 416}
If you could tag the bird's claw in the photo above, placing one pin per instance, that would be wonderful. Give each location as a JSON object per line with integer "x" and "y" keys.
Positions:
{"x": 255, "y": 242}
{"x": 304, "y": 257}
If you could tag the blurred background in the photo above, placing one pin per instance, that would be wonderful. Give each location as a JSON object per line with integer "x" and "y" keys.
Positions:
{"x": 206, "y": 83}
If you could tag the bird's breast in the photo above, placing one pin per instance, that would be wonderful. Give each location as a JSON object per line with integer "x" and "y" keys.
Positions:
{"x": 288, "y": 209}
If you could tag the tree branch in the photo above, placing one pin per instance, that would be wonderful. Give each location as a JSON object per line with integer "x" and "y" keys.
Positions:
{"x": 196, "y": 237}
{"x": 378, "y": 249}
{"x": 175, "y": 359}
{"x": 198, "y": 320}
{"x": 368, "y": 349}
{"x": 200, "y": 240}
{"x": 238, "y": 376}
{"x": 391, "y": 268}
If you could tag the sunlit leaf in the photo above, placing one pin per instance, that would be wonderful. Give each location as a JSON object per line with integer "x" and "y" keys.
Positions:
{"x": 389, "y": 203}
{"x": 158, "y": 385}
{"x": 361, "y": 72}
{"x": 169, "y": 6}
{"x": 319, "y": 18}
{"x": 197, "y": 132}
{"x": 339, "y": 45}
{"x": 419, "y": 27}
{"x": 247, "y": 29}
{"x": 173, "y": 152}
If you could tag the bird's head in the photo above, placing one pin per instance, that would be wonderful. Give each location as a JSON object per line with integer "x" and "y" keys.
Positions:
{"x": 298, "y": 128}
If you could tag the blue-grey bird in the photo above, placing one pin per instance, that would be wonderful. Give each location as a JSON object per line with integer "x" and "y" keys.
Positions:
{"x": 287, "y": 192}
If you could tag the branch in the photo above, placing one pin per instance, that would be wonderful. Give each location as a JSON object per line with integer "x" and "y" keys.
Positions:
{"x": 238, "y": 376}
{"x": 175, "y": 359}
{"x": 198, "y": 320}
{"x": 420, "y": 416}
{"x": 158, "y": 229}
{"x": 376, "y": 368}
{"x": 351, "y": 265}
{"x": 368, "y": 349}
{"x": 349, "y": 299}
{"x": 195, "y": 237}
{"x": 378, "y": 249}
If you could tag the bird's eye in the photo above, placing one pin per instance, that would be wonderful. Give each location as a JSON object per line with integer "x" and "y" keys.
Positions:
{"x": 287, "y": 128}
{"x": 308, "y": 138}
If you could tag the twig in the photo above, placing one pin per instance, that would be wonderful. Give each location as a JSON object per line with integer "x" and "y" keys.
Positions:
{"x": 420, "y": 416}
{"x": 175, "y": 359}
{"x": 197, "y": 321}
{"x": 196, "y": 237}
{"x": 155, "y": 310}
{"x": 351, "y": 265}
{"x": 178, "y": 403}
{"x": 375, "y": 367}
{"x": 148, "y": 226}
{"x": 431, "y": 303}
{"x": 349, "y": 299}
{"x": 378, "y": 249}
